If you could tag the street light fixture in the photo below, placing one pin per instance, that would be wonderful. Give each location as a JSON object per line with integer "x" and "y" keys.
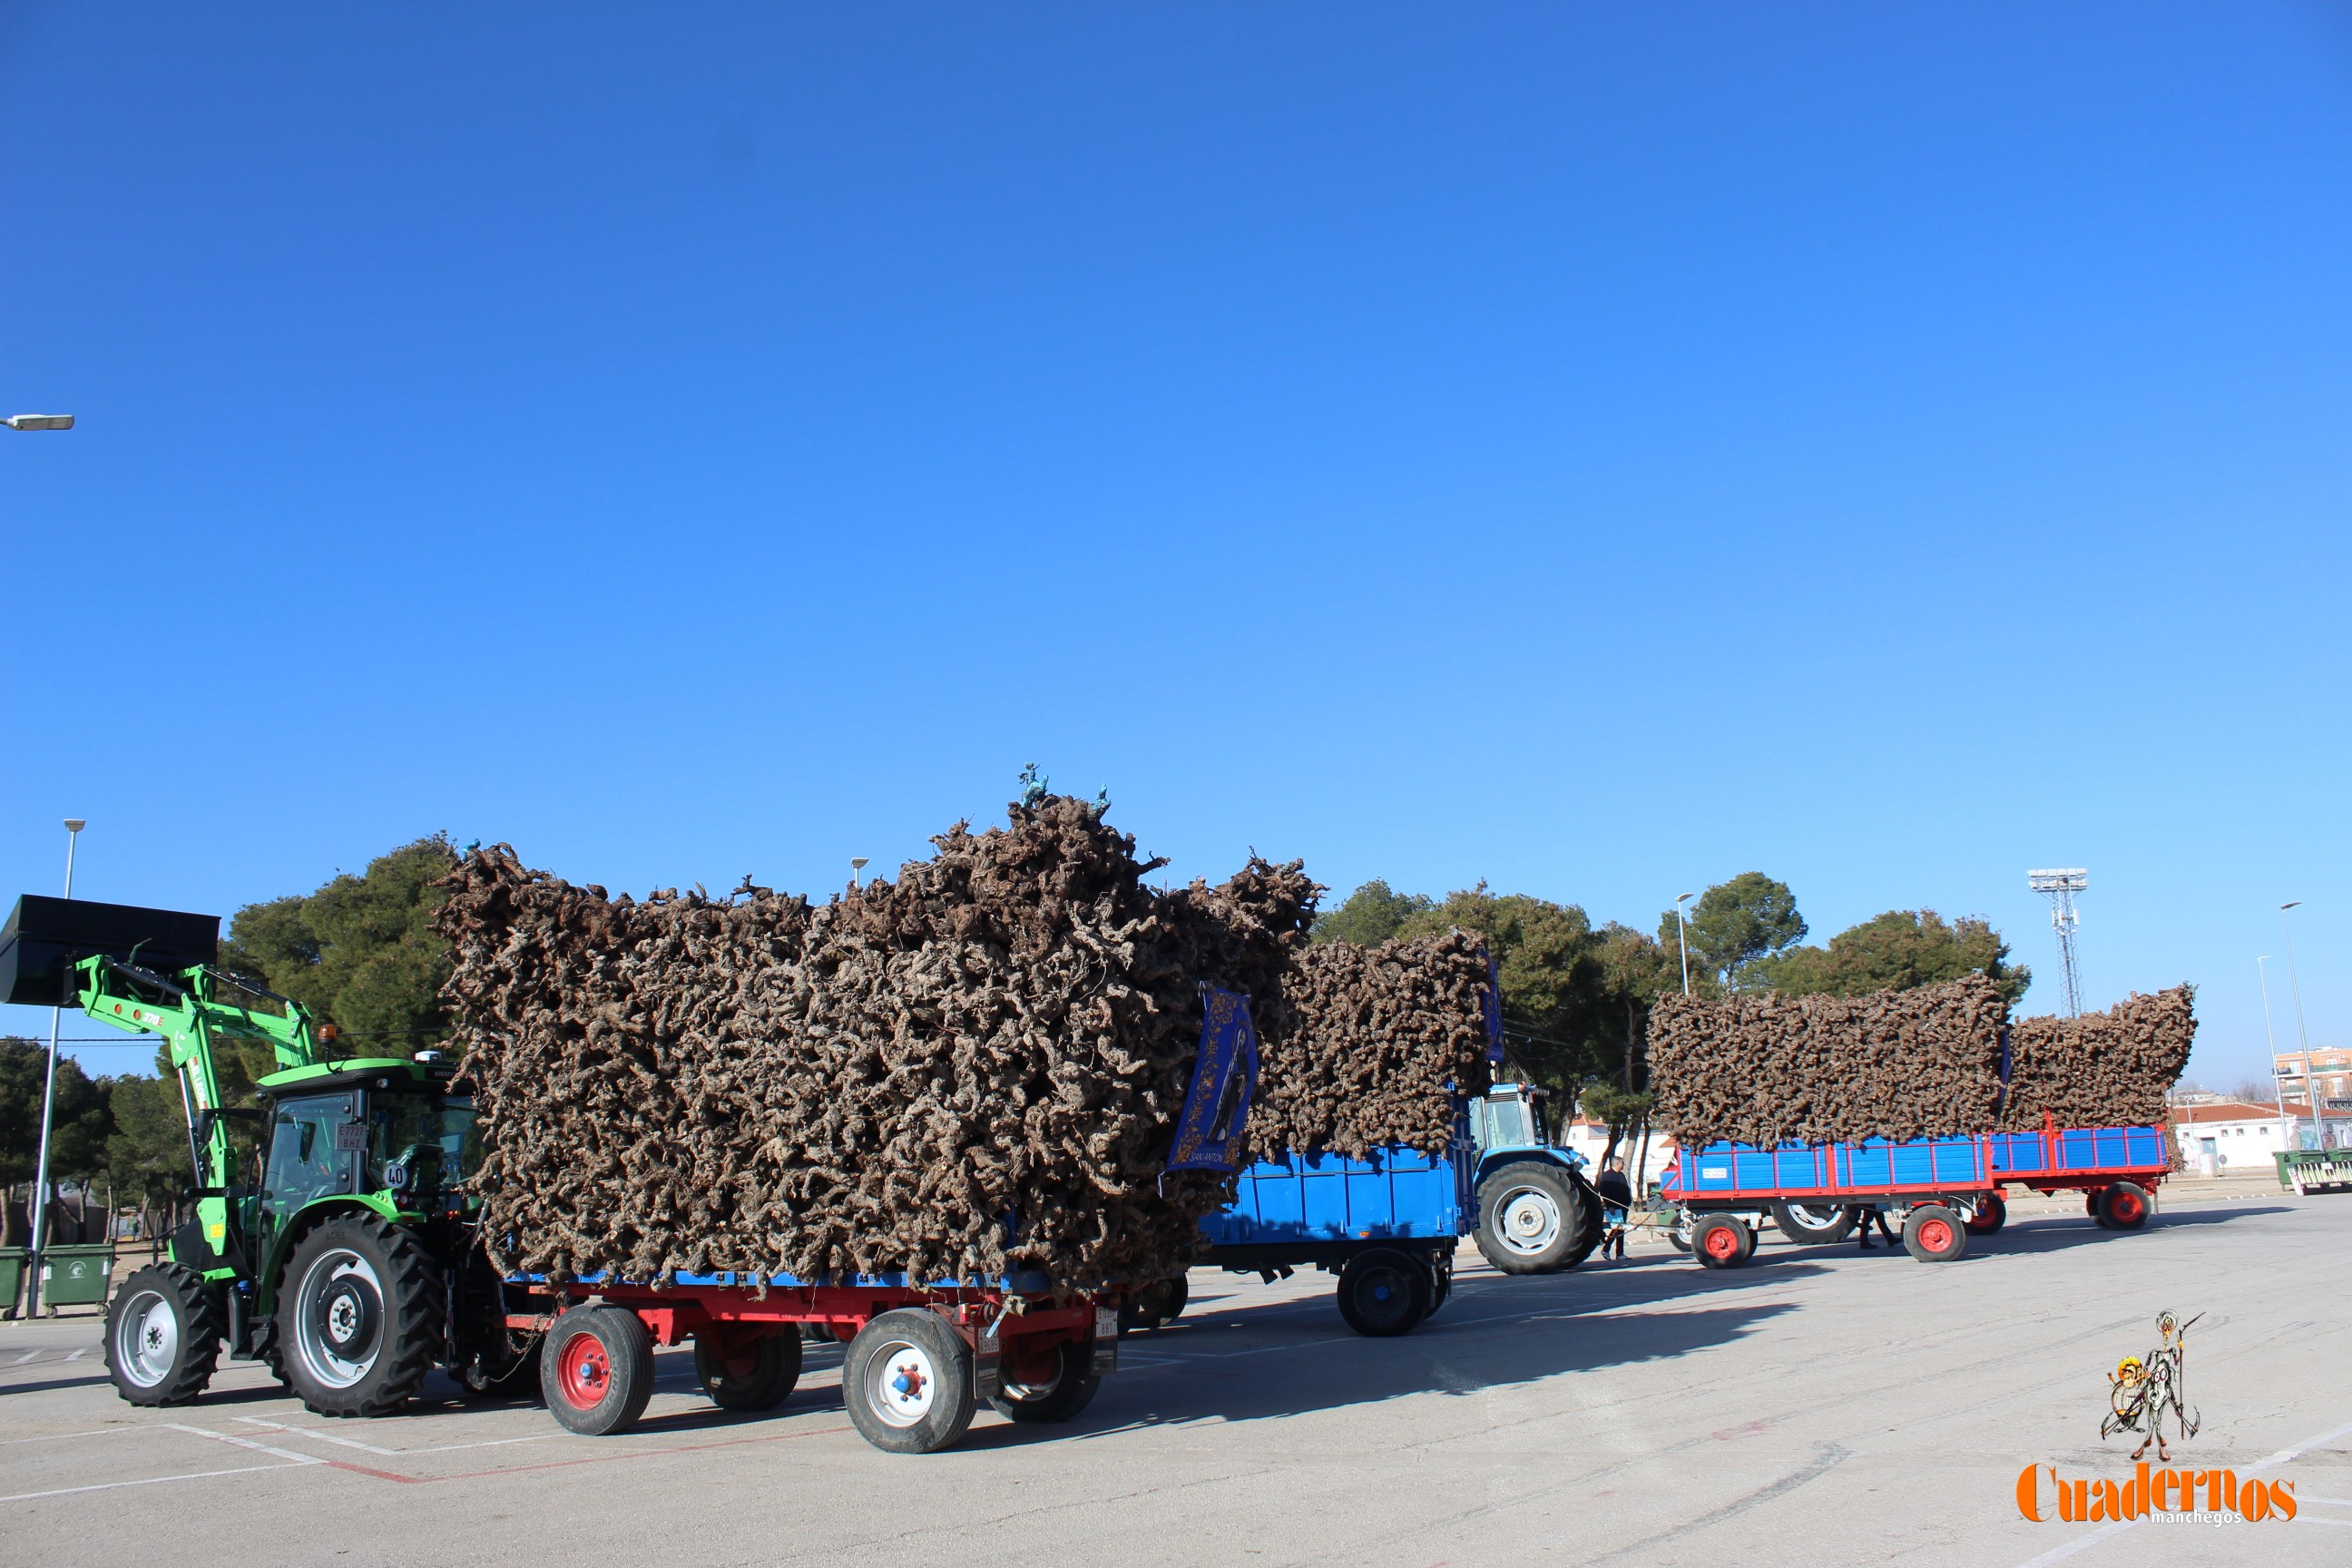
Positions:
{"x": 856, "y": 864}
{"x": 1680, "y": 946}
{"x": 38, "y": 422}
{"x": 38, "y": 1246}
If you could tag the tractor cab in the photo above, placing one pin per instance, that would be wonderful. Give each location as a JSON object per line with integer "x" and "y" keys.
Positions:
{"x": 1506, "y": 1118}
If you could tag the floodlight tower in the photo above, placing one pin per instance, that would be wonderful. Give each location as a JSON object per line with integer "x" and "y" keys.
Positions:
{"x": 2062, "y": 885}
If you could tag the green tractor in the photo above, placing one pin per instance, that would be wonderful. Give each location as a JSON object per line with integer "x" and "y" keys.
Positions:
{"x": 332, "y": 1241}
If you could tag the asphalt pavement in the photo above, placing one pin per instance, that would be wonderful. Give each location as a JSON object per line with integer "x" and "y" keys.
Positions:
{"x": 1821, "y": 1405}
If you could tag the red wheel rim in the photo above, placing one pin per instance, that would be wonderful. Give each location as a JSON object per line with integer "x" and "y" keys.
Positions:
{"x": 2127, "y": 1205}
{"x": 584, "y": 1372}
{"x": 1722, "y": 1242}
{"x": 1936, "y": 1235}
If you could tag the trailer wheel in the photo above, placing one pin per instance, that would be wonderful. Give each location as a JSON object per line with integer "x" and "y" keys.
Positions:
{"x": 1441, "y": 1281}
{"x": 2124, "y": 1206}
{"x": 2092, "y": 1206}
{"x": 1721, "y": 1242}
{"x": 1935, "y": 1234}
{"x": 1532, "y": 1219}
{"x": 742, "y": 1372}
{"x": 359, "y": 1317}
{"x": 1155, "y": 1305}
{"x": 597, "y": 1370}
{"x": 1992, "y": 1213}
{"x": 1070, "y": 1390}
{"x": 907, "y": 1382}
{"x": 1383, "y": 1293}
{"x": 1814, "y": 1224}
{"x": 162, "y": 1336}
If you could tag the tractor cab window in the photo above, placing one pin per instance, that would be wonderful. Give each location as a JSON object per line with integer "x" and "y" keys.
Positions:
{"x": 404, "y": 1153}
{"x": 311, "y": 1151}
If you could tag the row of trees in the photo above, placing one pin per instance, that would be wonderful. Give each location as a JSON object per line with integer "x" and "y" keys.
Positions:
{"x": 359, "y": 953}
{"x": 1577, "y": 997}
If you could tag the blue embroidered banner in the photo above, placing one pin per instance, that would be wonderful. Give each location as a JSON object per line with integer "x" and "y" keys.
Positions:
{"x": 1494, "y": 1012}
{"x": 1217, "y": 1107}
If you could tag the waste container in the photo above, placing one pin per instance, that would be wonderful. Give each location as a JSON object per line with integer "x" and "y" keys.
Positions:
{"x": 12, "y": 1279}
{"x": 76, "y": 1276}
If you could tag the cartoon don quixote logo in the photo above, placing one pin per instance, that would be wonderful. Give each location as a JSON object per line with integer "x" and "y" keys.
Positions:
{"x": 2142, "y": 1391}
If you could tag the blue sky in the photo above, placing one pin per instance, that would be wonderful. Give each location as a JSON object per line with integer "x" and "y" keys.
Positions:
{"x": 1597, "y": 449}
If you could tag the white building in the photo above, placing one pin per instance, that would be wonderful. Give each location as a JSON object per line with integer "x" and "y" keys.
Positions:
{"x": 2242, "y": 1137}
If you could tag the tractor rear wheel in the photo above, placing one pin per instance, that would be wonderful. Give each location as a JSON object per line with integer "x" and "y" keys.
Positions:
{"x": 359, "y": 1317}
{"x": 740, "y": 1373}
{"x": 597, "y": 1369}
{"x": 1069, "y": 1390}
{"x": 1533, "y": 1218}
{"x": 1383, "y": 1293}
{"x": 1814, "y": 1224}
{"x": 162, "y": 1336}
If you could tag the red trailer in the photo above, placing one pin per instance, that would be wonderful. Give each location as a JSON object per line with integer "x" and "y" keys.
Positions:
{"x": 920, "y": 1358}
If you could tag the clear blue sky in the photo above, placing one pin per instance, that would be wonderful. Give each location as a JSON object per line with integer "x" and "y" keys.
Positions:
{"x": 1599, "y": 450}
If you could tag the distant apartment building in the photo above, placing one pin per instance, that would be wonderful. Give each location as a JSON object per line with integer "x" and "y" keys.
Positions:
{"x": 2331, "y": 1069}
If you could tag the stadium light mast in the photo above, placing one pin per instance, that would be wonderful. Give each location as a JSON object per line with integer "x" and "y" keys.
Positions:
{"x": 2059, "y": 885}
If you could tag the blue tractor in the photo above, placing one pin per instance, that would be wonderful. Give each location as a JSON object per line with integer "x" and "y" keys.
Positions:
{"x": 1536, "y": 1212}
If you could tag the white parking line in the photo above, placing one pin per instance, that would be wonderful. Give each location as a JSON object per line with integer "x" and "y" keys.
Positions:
{"x": 80, "y": 1353}
{"x": 23, "y": 1358}
{"x": 342, "y": 1441}
{"x": 143, "y": 1481}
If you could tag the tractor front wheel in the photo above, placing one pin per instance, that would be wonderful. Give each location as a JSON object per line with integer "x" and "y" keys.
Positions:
{"x": 162, "y": 1336}
{"x": 359, "y": 1317}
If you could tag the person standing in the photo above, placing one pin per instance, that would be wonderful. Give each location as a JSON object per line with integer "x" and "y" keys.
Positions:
{"x": 1616, "y": 1198}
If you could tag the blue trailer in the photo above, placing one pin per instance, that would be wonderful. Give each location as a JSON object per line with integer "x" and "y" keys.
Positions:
{"x": 1388, "y": 1224}
{"x": 1943, "y": 1189}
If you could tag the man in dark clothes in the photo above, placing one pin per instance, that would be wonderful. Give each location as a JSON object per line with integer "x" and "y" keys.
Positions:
{"x": 1863, "y": 1215}
{"x": 1616, "y": 1198}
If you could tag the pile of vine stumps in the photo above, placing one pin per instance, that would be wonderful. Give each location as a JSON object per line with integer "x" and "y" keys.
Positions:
{"x": 976, "y": 1068}
{"x": 1765, "y": 1068}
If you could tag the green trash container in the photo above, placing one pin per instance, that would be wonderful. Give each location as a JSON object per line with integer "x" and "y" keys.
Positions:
{"x": 76, "y": 1276}
{"x": 12, "y": 1279}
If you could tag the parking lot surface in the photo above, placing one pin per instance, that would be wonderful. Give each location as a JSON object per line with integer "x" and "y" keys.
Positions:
{"x": 1821, "y": 1405}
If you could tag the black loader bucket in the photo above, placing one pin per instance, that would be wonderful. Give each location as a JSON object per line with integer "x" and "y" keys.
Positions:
{"x": 44, "y": 936}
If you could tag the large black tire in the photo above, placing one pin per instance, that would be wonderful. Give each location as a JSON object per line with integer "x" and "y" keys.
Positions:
{"x": 1721, "y": 1241}
{"x": 1071, "y": 1390}
{"x": 1441, "y": 1281}
{"x": 1992, "y": 1213}
{"x": 1803, "y": 1224}
{"x": 597, "y": 1370}
{"x": 2091, "y": 1205}
{"x": 1535, "y": 1218}
{"x": 359, "y": 1317}
{"x": 907, "y": 1382}
{"x": 1383, "y": 1291}
{"x": 164, "y": 1332}
{"x": 1935, "y": 1234}
{"x": 2124, "y": 1206}
{"x": 1155, "y": 1305}
{"x": 1678, "y": 1234}
{"x": 750, "y": 1374}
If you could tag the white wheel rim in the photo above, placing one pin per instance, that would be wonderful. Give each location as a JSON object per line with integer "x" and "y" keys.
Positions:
{"x": 902, "y": 1384}
{"x": 148, "y": 1343}
{"x": 1530, "y": 1220}
{"x": 1813, "y": 1217}
{"x": 322, "y": 1336}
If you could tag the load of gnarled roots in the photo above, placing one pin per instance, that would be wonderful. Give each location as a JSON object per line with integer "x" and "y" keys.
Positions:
{"x": 1767, "y": 1069}
{"x": 974, "y": 1069}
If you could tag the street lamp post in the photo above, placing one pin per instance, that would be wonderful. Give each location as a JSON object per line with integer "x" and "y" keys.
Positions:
{"x": 1681, "y": 944}
{"x": 2278, "y": 1080}
{"x": 39, "y": 1248}
{"x": 2303, "y": 1035}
